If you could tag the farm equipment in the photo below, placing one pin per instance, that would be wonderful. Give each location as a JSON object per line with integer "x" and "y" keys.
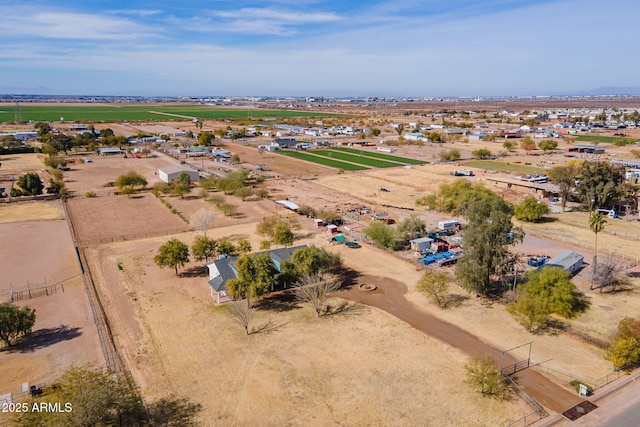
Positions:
{"x": 442, "y": 258}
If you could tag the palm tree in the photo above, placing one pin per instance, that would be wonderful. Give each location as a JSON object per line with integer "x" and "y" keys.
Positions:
{"x": 596, "y": 224}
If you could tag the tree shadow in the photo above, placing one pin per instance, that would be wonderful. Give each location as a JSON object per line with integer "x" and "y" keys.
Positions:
{"x": 344, "y": 308}
{"x": 279, "y": 302}
{"x": 547, "y": 220}
{"x": 349, "y": 277}
{"x": 454, "y": 300}
{"x": 266, "y": 327}
{"x": 43, "y": 338}
{"x": 174, "y": 412}
{"x": 197, "y": 271}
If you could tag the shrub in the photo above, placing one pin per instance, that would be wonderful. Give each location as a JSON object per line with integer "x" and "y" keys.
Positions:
{"x": 90, "y": 194}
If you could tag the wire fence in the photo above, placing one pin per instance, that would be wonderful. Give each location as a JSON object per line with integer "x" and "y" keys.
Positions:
{"x": 132, "y": 236}
{"x": 105, "y": 335}
{"x": 33, "y": 289}
{"x": 567, "y": 376}
{"x": 538, "y": 412}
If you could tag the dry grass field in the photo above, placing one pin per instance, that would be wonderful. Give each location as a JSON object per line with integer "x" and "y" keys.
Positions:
{"x": 30, "y": 211}
{"x": 113, "y": 218}
{"x": 361, "y": 367}
{"x": 21, "y": 163}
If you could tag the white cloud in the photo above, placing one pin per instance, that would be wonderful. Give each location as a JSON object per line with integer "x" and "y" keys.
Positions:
{"x": 282, "y": 16}
{"x": 25, "y": 21}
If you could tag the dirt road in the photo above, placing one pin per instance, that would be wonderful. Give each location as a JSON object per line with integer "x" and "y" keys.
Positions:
{"x": 389, "y": 296}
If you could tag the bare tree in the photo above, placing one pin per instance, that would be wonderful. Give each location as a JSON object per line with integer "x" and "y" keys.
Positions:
{"x": 315, "y": 290}
{"x": 609, "y": 273}
{"x": 201, "y": 219}
{"x": 241, "y": 314}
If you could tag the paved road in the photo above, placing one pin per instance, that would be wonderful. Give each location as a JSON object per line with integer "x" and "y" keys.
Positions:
{"x": 390, "y": 297}
{"x": 622, "y": 410}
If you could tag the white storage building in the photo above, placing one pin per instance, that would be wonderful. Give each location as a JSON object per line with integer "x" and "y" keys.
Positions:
{"x": 170, "y": 173}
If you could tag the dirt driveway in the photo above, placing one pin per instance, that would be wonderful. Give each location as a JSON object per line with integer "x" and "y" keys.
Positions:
{"x": 389, "y": 296}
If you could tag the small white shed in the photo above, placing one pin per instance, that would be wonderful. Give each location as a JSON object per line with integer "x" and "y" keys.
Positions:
{"x": 421, "y": 244}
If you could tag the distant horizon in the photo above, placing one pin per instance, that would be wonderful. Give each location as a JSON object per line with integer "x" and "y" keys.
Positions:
{"x": 381, "y": 48}
{"x": 595, "y": 93}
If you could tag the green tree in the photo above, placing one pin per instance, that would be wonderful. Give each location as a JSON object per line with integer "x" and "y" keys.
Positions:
{"x": 565, "y": 178}
{"x": 44, "y": 129}
{"x": 488, "y": 234}
{"x": 204, "y": 248}
{"x": 623, "y": 351}
{"x": 483, "y": 376}
{"x": 243, "y": 246}
{"x": 130, "y": 182}
{"x": 227, "y": 248}
{"x": 451, "y": 196}
{"x": 531, "y": 210}
{"x": 30, "y": 184}
{"x": 288, "y": 274}
{"x": 205, "y": 138}
{"x": 181, "y": 185}
{"x": 235, "y": 159}
{"x": 481, "y": 153}
{"x": 411, "y": 226}
{"x": 597, "y": 222}
{"x": 548, "y": 145}
{"x": 89, "y": 396}
{"x": 531, "y": 312}
{"x": 312, "y": 261}
{"x": 265, "y": 275}
{"x": 509, "y": 146}
{"x": 57, "y": 187}
{"x": 375, "y": 131}
{"x": 227, "y": 209}
{"x": 282, "y": 235}
{"x": 435, "y": 286}
{"x": 601, "y": 184}
{"x": 105, "y": 133}
{"x": 243, "y": 193}
{"x": 15, "y": 322}
{"x": 173, "y": 253}
{"x": 382, "y": 234}
{"x": 451, "y": 155}
{"x": 553, "y": 287}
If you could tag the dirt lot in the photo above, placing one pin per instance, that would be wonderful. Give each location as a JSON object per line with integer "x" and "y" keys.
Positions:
{"x": 104, "y": 169}
{"x": 300, "y": 370}
{"x": 113, "y": 218}
{"x": 34, "y": 249}
{"x": 30, "y": 251}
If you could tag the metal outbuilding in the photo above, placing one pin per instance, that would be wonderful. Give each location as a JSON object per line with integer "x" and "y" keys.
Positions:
{"x": 569, "y": 261}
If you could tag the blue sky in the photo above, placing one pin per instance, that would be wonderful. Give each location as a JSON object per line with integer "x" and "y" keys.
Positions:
{"x": 316, "y": 47}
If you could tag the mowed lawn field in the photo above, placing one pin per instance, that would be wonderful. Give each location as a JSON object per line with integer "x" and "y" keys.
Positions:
{"x": 357, "y": 159}
{"x": 353, "y": 158}
{"x": 321, "y": 160}
{"x": 603, "y": 139}
{"x": 377, "y": 155}
{"x": 115, "y": 112}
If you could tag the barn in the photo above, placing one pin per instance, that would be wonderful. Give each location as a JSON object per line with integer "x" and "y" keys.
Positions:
{"x": 170, "y": 173}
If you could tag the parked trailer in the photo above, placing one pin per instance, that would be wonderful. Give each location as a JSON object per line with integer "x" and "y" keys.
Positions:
{"x": 451, "y": 224}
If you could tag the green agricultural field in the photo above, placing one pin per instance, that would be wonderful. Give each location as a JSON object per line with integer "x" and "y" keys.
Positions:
{"x": 504, "y": 167}
{"x": 361, "y": 160}
{"x": 605, "y": 139}
{"x": 123, "y": 112}
{"x": 321, "y": 160}
{"x": 377, "y": 155}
